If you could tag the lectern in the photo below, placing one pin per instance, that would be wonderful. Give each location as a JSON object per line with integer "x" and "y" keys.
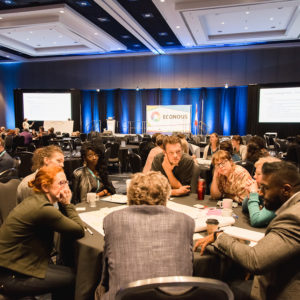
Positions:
{"x": 111, "y": 125}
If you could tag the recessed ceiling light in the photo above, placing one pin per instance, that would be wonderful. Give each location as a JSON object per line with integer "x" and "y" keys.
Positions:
{"x": 147, "y": 15}
{"x": 60, "y": 36}
{"x": 83, "y": 3}
{"x": 222, "y": 23}
{"x": 162, "y": 33}
{"x": 271, "y": 19}
{"x": 273, "y": 27}
{"x": 177, "y": 26}
{"x": 136, "y": 45}
{"x": 125, "y": 36}
{"x": 1, "y": 18}
{"x": 96, "y": 33}
{"x": 104, "y": 19}
{"x": 247, "y": 12}
{"x": 169, "y": 43}
{"x": 246, "y": 28}
{"x": 162, "y": 1}
{"x": 7, "y": 56}
{"x": 9, "y": 2}
{"x": 62, "y": 11}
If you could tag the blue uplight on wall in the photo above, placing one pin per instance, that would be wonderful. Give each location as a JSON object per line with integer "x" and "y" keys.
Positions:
{"x": 138, "y": 112}
{"x": 210, "y": 109}
{"x": 86, "y": 111}
{"x": 195, "y": 100}
{"x": 166, "y": 97}
{"x": 124, "y": 112}
{"x": 110, "y": 103}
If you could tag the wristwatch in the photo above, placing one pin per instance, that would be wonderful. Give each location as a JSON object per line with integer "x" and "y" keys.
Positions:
{"x": 215, "y": 233}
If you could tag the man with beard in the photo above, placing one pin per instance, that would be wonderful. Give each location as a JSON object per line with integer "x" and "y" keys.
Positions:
{"x": 275, "y": 259}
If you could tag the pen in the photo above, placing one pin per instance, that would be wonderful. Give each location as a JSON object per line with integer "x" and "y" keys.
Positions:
{"x": 89, "y": 230}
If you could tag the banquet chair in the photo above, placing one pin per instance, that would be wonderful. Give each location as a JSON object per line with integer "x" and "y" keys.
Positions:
{"x": 195, "y": 178}
{"x": 135, "y": 162}
{"x": 8, "y": 198}
{"x": 176, "y": 287}
{"x": 26, "y": 163}
{"x": 8, "y": 174}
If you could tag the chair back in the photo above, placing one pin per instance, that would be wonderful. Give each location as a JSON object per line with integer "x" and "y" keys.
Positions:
{"x": 8, "y": 198}
{"x": 135, "y": 162}
{"x": 26, "y": 163}
{"x": 195, "y": 178}
{"x": 9, "y": 174}
{"x": 248, "y": 165}
{"x": 176, "y": 287}
{"x": 114, "y": 150}
{"x": 144, "y": 149}
{"x": 107, "y": 154}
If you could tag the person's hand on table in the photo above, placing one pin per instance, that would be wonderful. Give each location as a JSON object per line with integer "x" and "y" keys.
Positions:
{"x": 183, "y": 190}
{"x": 205, "y": 241}
{"x": 103, "y": 193}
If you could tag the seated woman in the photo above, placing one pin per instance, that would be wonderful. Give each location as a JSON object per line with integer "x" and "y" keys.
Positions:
{"x": 144, "y": 240}
{"x": 26, "y": 239}
{"x": 93, "y": 176}
{"x": 229, "y": 180}
{"x": 254, "y": 204}
{"x": 212, "y": 147}
{"x": 238, "y": 147}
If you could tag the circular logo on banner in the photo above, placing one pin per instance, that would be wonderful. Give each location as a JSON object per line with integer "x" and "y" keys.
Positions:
{"x": 155, "y": 116}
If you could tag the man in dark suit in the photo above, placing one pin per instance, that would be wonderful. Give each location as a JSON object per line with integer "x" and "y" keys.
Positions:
{"x": 146, "y": 239}
{"x": 6, "y": 161}
{"x": 275, "y": 259}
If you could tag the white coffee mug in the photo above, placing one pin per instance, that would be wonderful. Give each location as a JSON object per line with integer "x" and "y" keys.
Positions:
{"x": 227, "y": 203}
{"x": 91, "y": 199}
{"x": 226, "y": 212}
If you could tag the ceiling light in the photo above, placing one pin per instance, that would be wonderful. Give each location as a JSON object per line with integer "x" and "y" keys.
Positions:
{"x": 136, "y": 45}
{"x": 98, "y": 90}
{"x": 162, "y": 1}
{"x": 162, "y": 33}
{"x": 246, "y": 28}
{"x": 226, "y": 85}
{"x": 222, "y": 23}
{"x": 7, "y": 56}
{"x": 62, "y": 11}
{"x": 1, "y": 18}
{"x": 96, "y": 33}
{"x": 9, "y": 2}
{"x": 179, "y": 89}
{"x": 104, "y": 19}
{"x": 220, "y": 31}
{"x": 247, "y": 12}
{"x": 137, "y": 89}
{"x": 169, "y": 43}
{"x": 271, "y": 19}
{"x": 177, "y": 26}
{"x": 147, "y": 15}
{"x": 83, "y": 3}
{"x": 125, "y": 36}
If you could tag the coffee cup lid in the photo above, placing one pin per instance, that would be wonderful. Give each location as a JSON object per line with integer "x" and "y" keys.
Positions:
{"x": 212, "y": 221}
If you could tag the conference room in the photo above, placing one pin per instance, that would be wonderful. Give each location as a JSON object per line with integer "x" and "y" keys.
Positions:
{"x": 121, "y": 71}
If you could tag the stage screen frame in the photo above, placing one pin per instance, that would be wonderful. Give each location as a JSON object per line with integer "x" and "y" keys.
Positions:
{"x": 267, "y": 114}
{"x": 167, "y": 119}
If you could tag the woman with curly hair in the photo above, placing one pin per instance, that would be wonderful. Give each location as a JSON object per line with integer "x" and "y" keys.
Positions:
{"x": 93, "y": 176}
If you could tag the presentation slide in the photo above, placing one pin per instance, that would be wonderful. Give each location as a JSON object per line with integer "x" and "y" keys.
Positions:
{"x": 47, "y": 106}
{"x": 168, "y": 118}
{"x": 279, "y": 105}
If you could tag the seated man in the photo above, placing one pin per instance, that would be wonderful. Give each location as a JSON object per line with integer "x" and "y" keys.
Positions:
{"x": 6, "y": 161}
{"x": 275, "y": 259}
{"x": 144, "y": 240}
{"x": 175, "y": 165}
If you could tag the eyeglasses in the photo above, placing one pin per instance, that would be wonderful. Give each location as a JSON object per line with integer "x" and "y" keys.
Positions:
{"x": 222, "y": 164}
{"x": 63, "y": 182}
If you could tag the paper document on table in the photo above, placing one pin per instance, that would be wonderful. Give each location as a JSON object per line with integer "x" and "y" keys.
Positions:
{"x": 95, "y": 218}
{"x": 116, "y": 198}
{"x": 201, "y": 215}
{"x": 244, "y": 234}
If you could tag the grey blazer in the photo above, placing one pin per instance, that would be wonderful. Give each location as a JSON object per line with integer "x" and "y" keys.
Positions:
{"x": 275, "y": 259}
{"x": 145, "y": 241}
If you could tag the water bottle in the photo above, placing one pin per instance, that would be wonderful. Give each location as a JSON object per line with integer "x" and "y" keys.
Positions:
{"x": 201, "y": 189}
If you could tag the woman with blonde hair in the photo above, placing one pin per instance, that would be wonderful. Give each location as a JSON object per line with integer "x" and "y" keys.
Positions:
{"x": 254, "y": 204}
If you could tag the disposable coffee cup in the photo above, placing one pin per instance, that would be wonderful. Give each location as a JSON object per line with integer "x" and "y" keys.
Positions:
{"x": 128, "y": 181}
{"x": 91, "y": 199}
{"x": 226, "y": 212}
{"x": 227, "y": 203}
{"x": 212, "y": 225}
